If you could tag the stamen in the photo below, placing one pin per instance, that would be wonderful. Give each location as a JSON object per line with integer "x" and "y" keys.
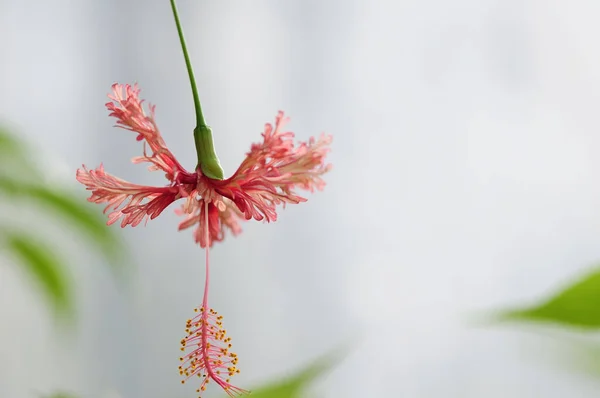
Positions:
{"x": 210, "y": 355}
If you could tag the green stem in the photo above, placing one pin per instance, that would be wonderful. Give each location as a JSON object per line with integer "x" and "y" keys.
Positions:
{"x": 188, "y": 64}
{"x": 208, "y": 161}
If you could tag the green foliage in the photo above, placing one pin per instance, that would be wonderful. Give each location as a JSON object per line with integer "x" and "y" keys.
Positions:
{"x": 9, "y": 144}
{"x": 294, "y": 386}
{"x": 43, "y": 265}
{"x": 577, "y": 305}
{"x": 60, "y": 395}
{"x": 22, "y": 183}
{"x": 580, "y": 355}
{"x": 68, "y": 207}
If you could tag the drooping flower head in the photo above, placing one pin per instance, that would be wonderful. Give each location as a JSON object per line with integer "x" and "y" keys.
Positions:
{"x": 271, "y": 174}
{"x": 273, "y": 170}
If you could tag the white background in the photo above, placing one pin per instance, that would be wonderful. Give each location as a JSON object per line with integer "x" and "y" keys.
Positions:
{"x": 465, "y": 178}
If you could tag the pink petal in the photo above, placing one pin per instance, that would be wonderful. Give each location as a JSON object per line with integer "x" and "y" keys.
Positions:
{"x": 131, "y": 202}
{"x": 126, "y": 107}
{"x": 272, "y": 170}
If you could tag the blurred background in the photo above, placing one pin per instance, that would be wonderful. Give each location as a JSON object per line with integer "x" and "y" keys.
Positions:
{"x": 465, "y": 178}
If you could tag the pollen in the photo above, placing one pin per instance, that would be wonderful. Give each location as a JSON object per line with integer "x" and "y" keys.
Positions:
{"x": 209, "y": 354}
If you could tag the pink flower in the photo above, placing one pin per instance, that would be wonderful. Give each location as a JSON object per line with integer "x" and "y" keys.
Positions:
{"x": 269, "y": 176}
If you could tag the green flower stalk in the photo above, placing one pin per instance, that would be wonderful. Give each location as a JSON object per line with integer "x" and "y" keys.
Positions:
{"x": 208, "y": 161}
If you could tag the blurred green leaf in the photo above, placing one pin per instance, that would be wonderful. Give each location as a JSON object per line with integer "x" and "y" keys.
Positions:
{"x": 564, "y": 350}
{"x": 71, "y": 210}
{"x": 43, "y": 266}
{"x": 60, "y": 395}
{"x": 13, "y": 155}
{"x": 583, "y": 357}
{"x": 577, "y": 305}
{"x": 35, "y": 256}
{"x": 295, "y": 385}
{"x": 8, "y": 144}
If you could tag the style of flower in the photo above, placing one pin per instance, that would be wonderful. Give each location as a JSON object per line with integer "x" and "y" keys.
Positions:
{"x": 269, "y": 176}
